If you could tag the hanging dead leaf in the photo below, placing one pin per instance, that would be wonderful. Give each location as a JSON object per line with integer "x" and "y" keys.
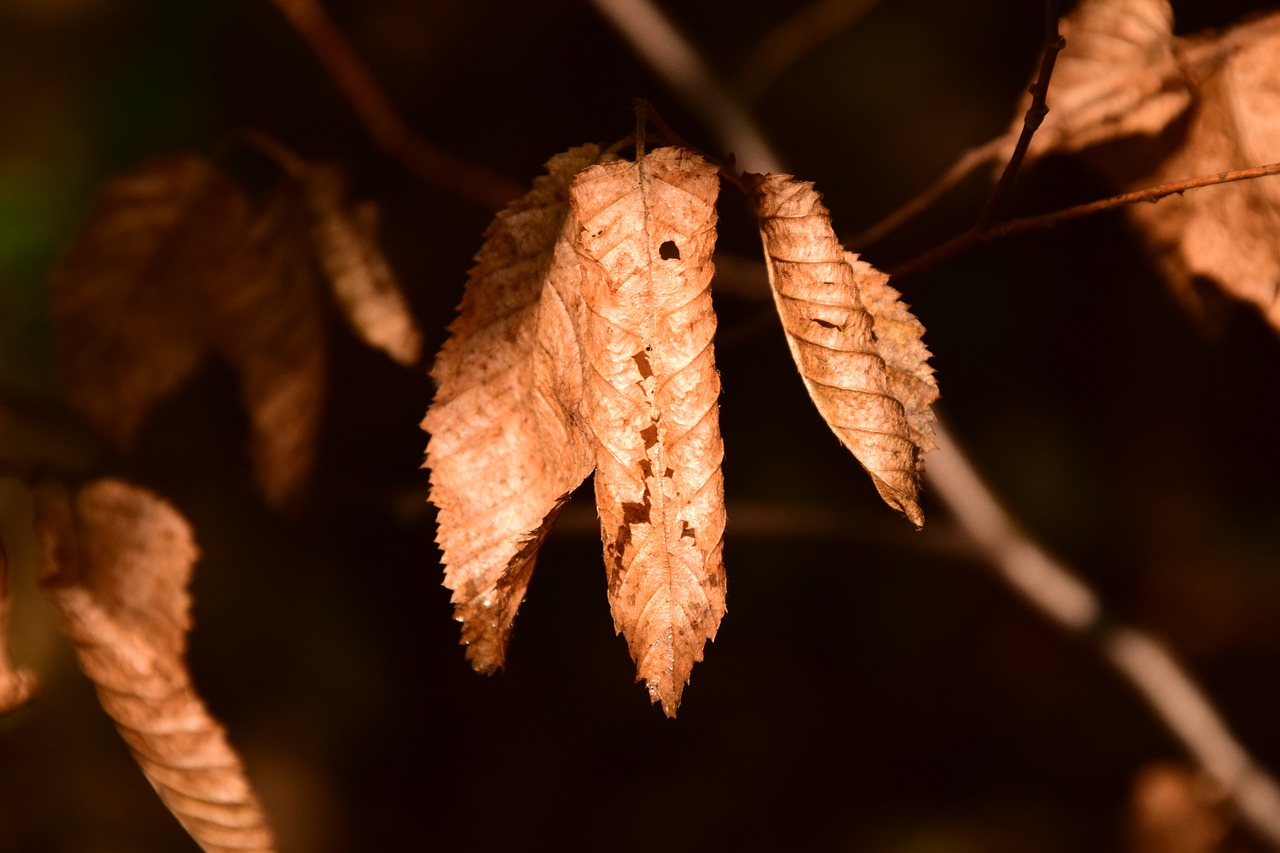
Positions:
{"x": 875, "y": 395}
{"x": 117, "y": 565}
{"x": 646, "y": 231}
{"x": 508, "y": 444}
{"x": 16, "y": 685}
{"x": 366, "y": 289}
{"x": 125, "y": 299}
{"x": 267, "y": 321}
{"x": 1118, "y": 76}
{"x": 1227, "y": 234}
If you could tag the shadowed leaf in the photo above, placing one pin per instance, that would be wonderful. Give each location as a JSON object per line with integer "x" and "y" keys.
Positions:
{"x": 127, "y": 298}
{"x": 16, "y": 685}
{"x": 267, "y": 322}
{"x": 1117, "y": 76}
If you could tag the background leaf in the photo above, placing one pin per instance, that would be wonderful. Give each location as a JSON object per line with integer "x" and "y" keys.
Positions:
{"x": 118, "y": 564}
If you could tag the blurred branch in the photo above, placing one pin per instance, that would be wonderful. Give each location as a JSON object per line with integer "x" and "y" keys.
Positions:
{"x": 432, "y": 164}
{"x": 787, "y": 43}
{"x": 1044, "y": 582}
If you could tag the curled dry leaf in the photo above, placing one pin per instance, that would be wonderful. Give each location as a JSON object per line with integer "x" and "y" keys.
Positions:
{"x": 508, "y": 444}
{"x": 366, "y": 289}
{"x": 16, "y": 685}
{"x": 857, "y": 347}
{"x": 267, "y": 322}
{"x": 646, "y": 231}
{"x": 117, "y": 568}
{"x": 126, "y": 298}
{"x": 1118, "y": 76}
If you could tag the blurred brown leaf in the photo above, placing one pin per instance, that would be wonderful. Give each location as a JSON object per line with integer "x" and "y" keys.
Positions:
{"x": 645, "y": 238}
{"x": 1118, "y": 76}
{"x": 117, "y": 566}
{"x": 1173, "y": 809}
{"x": 1227, "y": 234}
{"x": 507, "y": 442}
{"x": 127, "y": 299}
{"x": 363, "y": 283}
{"x": 16, "y": 685}
{"x": 267, "y": 321}
{"x": 1212, "y": 99}
{"x": 866, "y": 374}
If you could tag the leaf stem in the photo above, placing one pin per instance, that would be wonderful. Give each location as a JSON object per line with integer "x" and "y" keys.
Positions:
{"x": 432, "y": 164}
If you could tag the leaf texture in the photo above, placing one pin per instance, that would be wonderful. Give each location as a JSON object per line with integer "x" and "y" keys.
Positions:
{"x": 127, "y": 295}
{"x": 508, "y": 443}
{"x": 1118, "y": 76}
{"x": 874, "y": 394}
{"x": 16, "y": 685}
{"x": 646, "y": 231}
{"x": 366, "y": 289}
{"x": 118, "y": 564}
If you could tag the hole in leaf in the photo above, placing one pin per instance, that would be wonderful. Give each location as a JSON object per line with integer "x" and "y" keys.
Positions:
{"x": 669, "y": 251}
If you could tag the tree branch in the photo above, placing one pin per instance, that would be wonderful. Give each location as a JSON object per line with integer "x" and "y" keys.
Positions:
{"x": 432, "y": 164}
{"x": 1044, "y": 582}
{"x": 963, "y": 242}
{"x": 1053, "y": 45}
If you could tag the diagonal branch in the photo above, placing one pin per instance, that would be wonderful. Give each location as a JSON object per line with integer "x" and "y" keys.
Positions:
{"x": 1151, "y": 194}
{"x": 421, "y": 157}
{"x": 1051, "y": 587}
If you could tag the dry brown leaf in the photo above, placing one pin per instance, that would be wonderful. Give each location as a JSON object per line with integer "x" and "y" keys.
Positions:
{"x": 267, "y": 321}
{"x": 117, "y": 568}
{"x": 1225, "y": 234}
{"x": 1118, "y": 76}
{"x": 853, "y": 379}
{"x": 366, "y": 289}
{"x": 507, "y": 443}
{"x": 646, "y": 231}
{"x": 16, "y": 685}
{"x": 1173, "y": 809}
{"x": 126, "y": 298}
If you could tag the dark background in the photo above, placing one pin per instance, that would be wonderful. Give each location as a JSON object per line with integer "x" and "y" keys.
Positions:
{"x": 871, "y": 689}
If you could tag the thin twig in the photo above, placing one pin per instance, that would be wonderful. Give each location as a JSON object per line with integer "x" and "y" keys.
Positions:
{"x": 1053, "y": 45}
{"x": 793, "y": 38}
{"x": 1046, "y": 583}
{"x": 963, "y": 242}
{"x": 961, "y": 169}
{"x": 433, "y": 165}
